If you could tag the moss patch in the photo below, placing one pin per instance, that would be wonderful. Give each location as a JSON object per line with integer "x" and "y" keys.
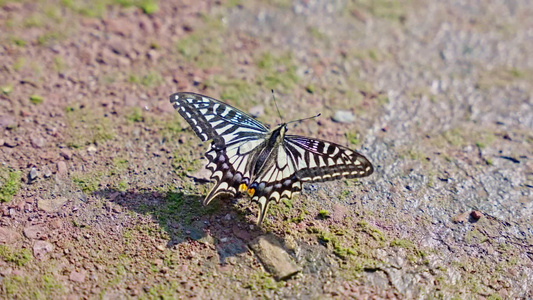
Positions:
{"x": 18, "y": 257}
{"x": 9, "y": 184}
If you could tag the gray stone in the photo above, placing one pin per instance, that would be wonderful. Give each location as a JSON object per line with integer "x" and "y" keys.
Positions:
{"x": 61, "y": 168}
{"x": 343, "y": 116}
{"x": 33, "y": 174}
{"x": 8, "y": 236}
{"x": 40, "y": 248}
{"x": 35, "y": 231}
{"x": 77, "y": 276}
{"x": 37, "y": 141}
{"x": 47, "y": 172}
{"x": 274, "y": 258}
{"x": 67, "y": 154}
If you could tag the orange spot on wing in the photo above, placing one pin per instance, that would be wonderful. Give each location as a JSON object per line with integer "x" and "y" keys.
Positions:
{"x": 251, "y": 192}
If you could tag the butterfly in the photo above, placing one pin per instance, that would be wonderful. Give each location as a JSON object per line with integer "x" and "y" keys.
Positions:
{"x": 246, "y": 157}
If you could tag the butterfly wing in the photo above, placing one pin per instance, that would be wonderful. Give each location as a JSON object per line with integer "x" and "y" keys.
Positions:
{"x": 299, "y": 159}
{"x": 214, "y": 120}
{"x": 319, "y": 160}
{"x": 234, "y": 134}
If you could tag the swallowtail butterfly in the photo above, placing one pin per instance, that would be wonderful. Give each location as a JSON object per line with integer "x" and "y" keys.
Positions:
{"x": 245, "y": 156}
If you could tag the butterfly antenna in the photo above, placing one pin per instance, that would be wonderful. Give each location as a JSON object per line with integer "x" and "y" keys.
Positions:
{"x": 276, "y": 103}
{"x": 300, "y": 120}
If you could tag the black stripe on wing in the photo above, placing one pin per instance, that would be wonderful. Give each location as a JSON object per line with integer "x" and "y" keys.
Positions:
{"x": 214, "y": 120}
{"x": 318, "y": 160}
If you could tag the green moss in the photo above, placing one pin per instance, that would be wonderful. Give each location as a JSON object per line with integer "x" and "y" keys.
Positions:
{"x": 178, "y": 207}
{"x": 353, "y": 138}
{"x": 323, "y": 214}
{"x": 49, "y": 38}
{"x": 474, "y": 236}
{"x": 454, "y": 137}
{"x": 385, "y": 9}
{"x": 132, "y": 79}
{"x": 402, "y": 243}
{"x": 36, "y": 99}
{"x": 6, "y": 89}
{"x": 166, "y": 290}
{"x": 343, "y": 252}
{"x": 278, "y": 72}
{"x": 372, "y": 231}
{"x": 233, "y": 3}
{"x": 240, "y": 92}
{"x": 51, "y": 285}
{"x": 86, "y": 126}
{"x": 19, "y": 257}
{"x": 152, "y": 79}
{"x": 149, "y": 6}
{"x": 19, "y": 41}
{"x": 98, "y": 8}
{"x": 59, "y": 64}
{"x": 9, "y": 183}
{"x": 135, "y": 116}
{"x": 262, "y": 281}
{"x": 516, "y": 73}
{"x": 310, "y": 88}
{"x": 203, "y": 48}
{"x": 120, "y": 163}
{"x": 33, "y": 21}
{"x": 315, "y": 33}
{"x": 123, "y": 185}
{"x": 19, "y": 63}
{"x": 299, "y": 218}
{"x": 87, "y": 183}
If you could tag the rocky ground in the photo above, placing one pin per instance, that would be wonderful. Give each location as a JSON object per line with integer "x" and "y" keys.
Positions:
{"x": 101, "y": 181}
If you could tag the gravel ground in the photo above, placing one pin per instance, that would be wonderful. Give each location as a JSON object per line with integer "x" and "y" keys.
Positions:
{"x": 101, "y": 180}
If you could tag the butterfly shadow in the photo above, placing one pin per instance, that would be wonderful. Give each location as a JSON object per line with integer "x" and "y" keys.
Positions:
{"x": 186, "y": 220}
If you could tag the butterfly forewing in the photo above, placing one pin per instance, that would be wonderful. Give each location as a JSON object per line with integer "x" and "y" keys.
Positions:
{"x": 319, "y": 160}
{"x": 214, "y": 120}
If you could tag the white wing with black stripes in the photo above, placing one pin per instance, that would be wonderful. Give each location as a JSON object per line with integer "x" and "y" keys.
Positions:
{"x": 269, "y": 166}
{"x": 234, "y": 134}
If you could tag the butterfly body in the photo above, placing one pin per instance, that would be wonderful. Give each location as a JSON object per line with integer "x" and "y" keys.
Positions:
{"x": 245, "y": 156}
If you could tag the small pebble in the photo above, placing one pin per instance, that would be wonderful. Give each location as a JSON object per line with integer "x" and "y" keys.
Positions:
{"x": 476, "y": 214}
{"x": 47, "y": 172}
{"x": 344, "y": 116}
{"x": 77, "y": 276}
{"x": 33, "y": 174}
{"x": 40, "y": 248}
{"x": 37, "y": 141}
{"x": 61, "y": 168}
{"x": 67, "y": 154}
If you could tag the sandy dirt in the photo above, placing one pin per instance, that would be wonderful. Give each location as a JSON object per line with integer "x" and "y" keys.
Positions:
{"x": 101, "y": 181}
